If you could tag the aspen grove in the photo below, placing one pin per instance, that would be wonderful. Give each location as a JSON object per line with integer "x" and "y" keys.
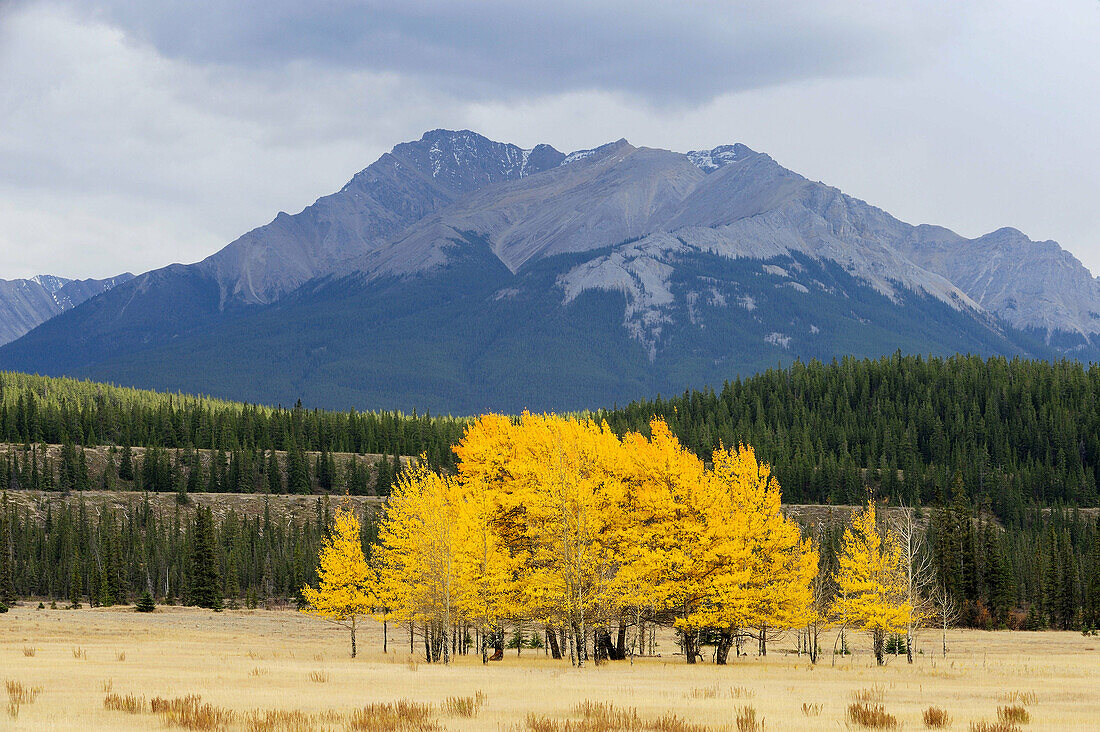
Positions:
{"x": 560, "y": 526}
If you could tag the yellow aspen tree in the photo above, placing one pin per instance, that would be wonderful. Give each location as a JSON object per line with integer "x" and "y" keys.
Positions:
{"x": 683, "y": 542}
{"x": 555, "y": 486}
{"x": 872, "y": 588}
{"x": 418, "y": 566}
{"x": 486, "y": 574}
{"x": 345, "y": 586}
{"x": 778, "y": 594}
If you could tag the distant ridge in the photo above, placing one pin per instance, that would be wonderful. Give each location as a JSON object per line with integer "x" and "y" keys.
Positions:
{"x": 461, "y": 274}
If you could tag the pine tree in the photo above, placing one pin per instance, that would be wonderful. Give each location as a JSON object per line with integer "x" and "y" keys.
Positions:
{"x": 7, "y": 555}
{"x": 204, "y": 589}
{"x": 126, "y": 464}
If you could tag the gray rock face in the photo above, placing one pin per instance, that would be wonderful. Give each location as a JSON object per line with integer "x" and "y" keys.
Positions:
{"x": 402, "y": 214}
{"x": 25, "y": 304}
{"x": 1032, "y": 285}
{"x": 402, "y": 187}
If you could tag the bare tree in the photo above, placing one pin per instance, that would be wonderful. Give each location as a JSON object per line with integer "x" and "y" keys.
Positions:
{"x": 918, "y": 571}
{"x": 946, "y": 612}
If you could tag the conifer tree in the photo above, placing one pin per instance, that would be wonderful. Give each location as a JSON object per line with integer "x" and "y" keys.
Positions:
{"x": 145, "y": 603}
{"x": 204, "y": 590}
{"x": 126, "y": 464}
{"x": 7, "y": 555}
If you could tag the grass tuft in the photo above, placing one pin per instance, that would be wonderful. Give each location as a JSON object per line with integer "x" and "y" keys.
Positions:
{"x": 189, "y": 712}
{"x": 1027, "y": 698}
{"x": 464, "y": 706}
{"x": 80, "y": 654}
{"x": 993, "y": 727}
{"x": 936, "y": 718}
{"x": 131, "y": 703}
{"x": 1015, "y": 714}
{"x": 876, "y": 693}
{"x": 706, "y": 692}
{"x": 871, "y": 716}
{"x": 811, "y": 710}
{"x": 400, "y": 716}
{"x": 277, "y": 720}
{"x": 28, "y": 651}
{"x": 319, "y": 677}
{"x": 18, "y": 695}
{"x": 747, "y": 722}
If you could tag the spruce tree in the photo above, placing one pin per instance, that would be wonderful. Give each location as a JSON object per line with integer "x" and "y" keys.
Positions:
{"x": 126, "y": 464}
{"x": 145, "y": 603}
{"x": 204, "y": 590}
{"x": 7, "y": 555}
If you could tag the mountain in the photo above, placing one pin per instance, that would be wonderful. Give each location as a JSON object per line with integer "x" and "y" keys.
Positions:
{"x": 26, "y": 304}
{"x": 457, "y": 273}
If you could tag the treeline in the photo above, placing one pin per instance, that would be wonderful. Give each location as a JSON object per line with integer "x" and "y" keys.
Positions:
{"x": 1018, "y": 433}
{"x": 74, "y": 553}
{"x": 1043, "y": 572}
{"x": 185, "y": 471}
{"x": 36, "y": 409}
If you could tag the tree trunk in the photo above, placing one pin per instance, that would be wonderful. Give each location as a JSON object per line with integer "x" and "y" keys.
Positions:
{"x": 690, "y": 649}
{"x": 722, "y": 651}
{"x": 552, "y": 641}
{"x": 909, "y": 644}
{"x": 763, "y": 640}
{"x": 880, "y": 644}
{"x": 385, "y": 636}
{"x": 353, "y": 636}
{"x": 620, "y": 645}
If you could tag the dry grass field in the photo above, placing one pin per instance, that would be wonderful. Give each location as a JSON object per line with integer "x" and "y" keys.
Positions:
{"x": 59, "y": 667}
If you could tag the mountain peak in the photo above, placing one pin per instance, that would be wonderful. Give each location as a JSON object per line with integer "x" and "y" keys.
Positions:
{"x": 710, "y": 160}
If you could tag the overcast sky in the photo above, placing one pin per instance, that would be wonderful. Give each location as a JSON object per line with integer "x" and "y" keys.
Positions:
{"x": 133, "y": 135}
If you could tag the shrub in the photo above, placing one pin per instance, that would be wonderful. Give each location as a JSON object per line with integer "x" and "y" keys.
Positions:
{"x": 871, "y": 716}
{"x": 936, "y": 718}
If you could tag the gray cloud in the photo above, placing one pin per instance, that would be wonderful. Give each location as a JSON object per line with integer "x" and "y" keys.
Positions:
{"x": 133, "y": 136}
{"x": 660, "y": 51}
